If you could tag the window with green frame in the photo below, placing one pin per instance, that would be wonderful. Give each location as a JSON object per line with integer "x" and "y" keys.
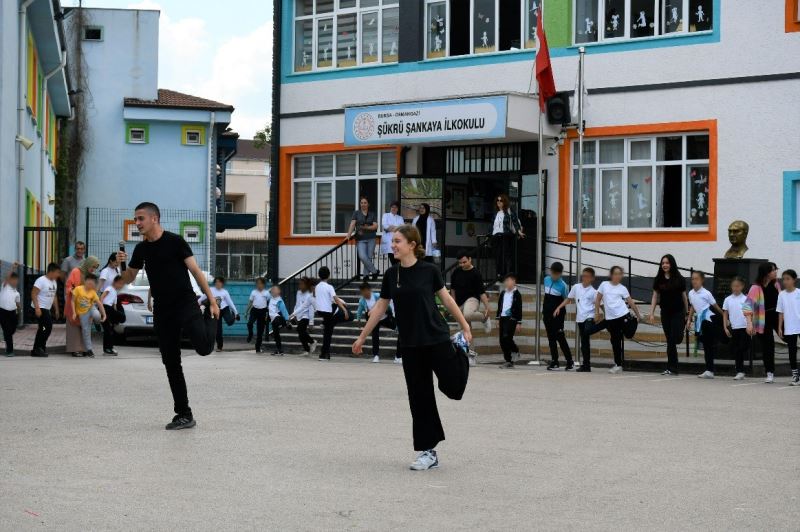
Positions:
{"x": 137, "y": 133}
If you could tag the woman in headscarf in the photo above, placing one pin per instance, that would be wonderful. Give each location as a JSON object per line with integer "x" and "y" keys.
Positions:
{"x": 427, "y": 230}
{"x": 76, "y": 278}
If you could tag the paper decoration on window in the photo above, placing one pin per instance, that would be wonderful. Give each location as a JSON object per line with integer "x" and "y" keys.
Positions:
{"x": 641, "y": 22}
{"x": 589, "y": 26}
{"x": 485, "y": 40}
{"x": 698, "y": 196}
{"x": 701, "y": 16}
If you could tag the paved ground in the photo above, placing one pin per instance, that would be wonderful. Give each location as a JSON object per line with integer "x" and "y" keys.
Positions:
{"x": 294, "y": 444}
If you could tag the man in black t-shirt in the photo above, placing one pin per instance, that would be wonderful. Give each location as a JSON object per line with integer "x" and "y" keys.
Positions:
{"x": 467, "y": 288}
{"x": 168, "y": 261}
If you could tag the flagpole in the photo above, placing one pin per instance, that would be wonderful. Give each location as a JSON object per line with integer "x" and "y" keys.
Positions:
{"x": 539, "y": 217}
{"x": 579, "y": 223}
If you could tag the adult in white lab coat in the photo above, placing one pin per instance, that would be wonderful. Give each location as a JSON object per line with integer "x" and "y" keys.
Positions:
{"x": 389, "y": 222}
{"x": 427, "y": 229}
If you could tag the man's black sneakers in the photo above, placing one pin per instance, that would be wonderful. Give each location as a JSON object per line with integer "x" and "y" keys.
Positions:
{"x": 584, "y": 369}
{"x": 39, "y": 352}
{"x": 570, "y": 365}
{"x": 181, "y": 422}
{"x": 553, "y": 365}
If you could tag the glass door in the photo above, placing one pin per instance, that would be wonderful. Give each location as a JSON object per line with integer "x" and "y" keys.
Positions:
{"x": 416, "y": 190}
{"x": 531, "y": 201}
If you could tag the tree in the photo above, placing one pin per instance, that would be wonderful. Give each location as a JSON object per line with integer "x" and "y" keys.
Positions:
{"x": 262, "y": 137}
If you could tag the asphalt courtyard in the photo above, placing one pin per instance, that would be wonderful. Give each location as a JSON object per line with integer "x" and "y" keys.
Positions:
{"x": 295, "y": 444}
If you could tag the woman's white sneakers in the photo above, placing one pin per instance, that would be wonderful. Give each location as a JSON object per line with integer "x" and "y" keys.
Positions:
{"x": 615, "y": 369}
{"x": 473, "y": 358}
{"x": 739, "y": 376}
{"x": 770, "y": 378}
{"x": 426, "y": 460}
{"x": 706, "y": 375}
{"x": 313, "y": 347}
{"x": 398, "y": 360}
{"x": 376, "y": 359}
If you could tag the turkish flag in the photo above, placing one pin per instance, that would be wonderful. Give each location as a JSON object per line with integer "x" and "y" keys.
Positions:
{"x": 544, "y": 70}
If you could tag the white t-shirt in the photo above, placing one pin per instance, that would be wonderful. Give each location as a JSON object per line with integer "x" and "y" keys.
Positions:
{"x": 324, "y": 295}
{"x": 47, "y": 292}
{"x": 9, "y": 297}
{"x": 508, "y": 300}
{"x": 499, "y": 218}
{"x": 224, "y": 299}
{"x": 733, "y": 304}
{"x": 304, "y": 306}
{"x": 701, "y": 300}
{"x": 614, "y": 299}
{"x": 789, "y": 306}
{"x": 107, "y": 275}
{"x": 111, "y": 297}
{"x": 584, "y": 297}
{"x": 259, "y": 298}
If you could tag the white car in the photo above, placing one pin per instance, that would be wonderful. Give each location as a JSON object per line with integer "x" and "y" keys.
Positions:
{"x": 133, "y": 297}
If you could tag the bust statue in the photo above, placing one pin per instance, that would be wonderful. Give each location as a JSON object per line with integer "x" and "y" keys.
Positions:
{"x": 737, "y": 235}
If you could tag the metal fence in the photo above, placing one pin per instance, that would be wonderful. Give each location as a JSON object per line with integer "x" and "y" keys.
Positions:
{"x": 106, "y": 228}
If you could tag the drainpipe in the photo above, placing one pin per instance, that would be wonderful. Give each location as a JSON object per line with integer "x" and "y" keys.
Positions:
{"x": 212, "y": 196}
{"x": 22, "y": 56}
{"x": 45, "y": 128}
{"x": 275, "y": 148}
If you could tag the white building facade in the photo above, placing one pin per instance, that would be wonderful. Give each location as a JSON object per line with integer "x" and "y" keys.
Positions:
{"x": 691, "y": 123}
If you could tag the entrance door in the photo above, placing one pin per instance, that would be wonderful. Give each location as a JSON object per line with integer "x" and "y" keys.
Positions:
{"x": 531, "y": 200}
{"x": 416, "y": 190}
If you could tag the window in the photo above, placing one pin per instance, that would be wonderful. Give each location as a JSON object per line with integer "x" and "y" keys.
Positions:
{"x": 137, "y": 133}
{"x": 327, "y": 188}
{"x": 192, "y": 135}
{"x": 611, "y": 20}
{"x": 643, "y": 182}
{"x": 463, "y": 27}
{"x": 92, "y": 33}
{"x": 345, "y": 33}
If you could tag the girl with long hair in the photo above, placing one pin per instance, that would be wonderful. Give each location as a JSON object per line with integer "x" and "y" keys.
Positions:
{"x": 424, "y": 336}
{"x": 762, "y": 316}
{"x": 669, "y": 292}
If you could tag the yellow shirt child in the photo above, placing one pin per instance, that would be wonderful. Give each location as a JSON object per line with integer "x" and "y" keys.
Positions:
{"x": 84, "y": 299}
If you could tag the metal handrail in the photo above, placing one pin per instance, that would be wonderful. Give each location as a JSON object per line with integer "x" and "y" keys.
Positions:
{"x": 318, "y": 259}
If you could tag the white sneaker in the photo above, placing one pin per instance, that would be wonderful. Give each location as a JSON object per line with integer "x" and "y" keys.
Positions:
{"x": 615, "y": 369}
{"x": 739, "y": 377}
{"x": 514, "y": 357}
{"x": 795, "y": 380}
{"x": 706, "y": 375}
{"x": 398, "y": 360}
{"x": 487, "y": 325}
{"x": 770, "y": 378}
{"x": 376, "y": 359}
{"x": 313, "y": 347}
{"x": 473, "y": 358}
{"x": 425, "y": 460}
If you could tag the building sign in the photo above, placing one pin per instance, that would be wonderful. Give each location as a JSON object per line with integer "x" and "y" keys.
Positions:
{"x": 446, "y": 120}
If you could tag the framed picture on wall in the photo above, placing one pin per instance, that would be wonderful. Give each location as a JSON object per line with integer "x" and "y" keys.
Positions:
{"x": 457, "y": 202}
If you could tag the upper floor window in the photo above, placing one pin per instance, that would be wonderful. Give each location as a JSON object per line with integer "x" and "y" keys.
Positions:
{"x": 643, "y": 182}
{"x": 610, "y": 20}
{"x": 462, "y": 27}
{"x": 345, "y": 33}
{"x": 92, "y": 33}
{"x": 193, "y": 135}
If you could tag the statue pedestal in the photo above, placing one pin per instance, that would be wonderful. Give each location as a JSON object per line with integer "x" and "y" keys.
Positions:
{"x": 726, "y": 269}
{"x": 724, "y": 272}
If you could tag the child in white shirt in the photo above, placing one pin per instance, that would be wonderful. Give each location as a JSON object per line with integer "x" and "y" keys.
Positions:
{"x": 616, "y": 300}
{"x": 326, "y": 299}
{"x": 789, "y": 319}
{"x": 227, "y": 309}
{"x": 303, "y": 314}
{"x": 701, "y": 304}
{"x": 278, "y": 317}
{"x": 10, "y": 307}
{"x": 114, "y": 314}
{"x": 735, "y": 324}
{"x": 583, "y": 296}
{"x": 257, "y": 312}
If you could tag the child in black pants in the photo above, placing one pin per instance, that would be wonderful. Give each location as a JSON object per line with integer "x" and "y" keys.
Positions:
{"x": 509, "y": 315}
{"x": 10, "y": 306}
{"x": 735, "y": 324}
{"x": 114, "y": 315}
{"x": 278, "y": 317}
{"x": 555, "y": 292}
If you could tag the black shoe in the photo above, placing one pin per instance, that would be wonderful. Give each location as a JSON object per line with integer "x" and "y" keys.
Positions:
{"x": 375, "y": 276}
{"x": 110, "y": 352}
{"x": 249, "y": 337}
{"x": 89, "y": 353}
{"x": 38, "y": 353}
{"x": 181, "y": 422}
{"x": 77, "y": 354}
{"x": 325, "y": 358}
{"x": 583, "y": 369}
{"x": 570, "y": 366}
{"x": 507, "y": 365}
{"x": 553, "y": 365}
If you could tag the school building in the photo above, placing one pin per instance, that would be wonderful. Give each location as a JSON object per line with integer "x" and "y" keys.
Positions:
{"x": 692, "y": 113}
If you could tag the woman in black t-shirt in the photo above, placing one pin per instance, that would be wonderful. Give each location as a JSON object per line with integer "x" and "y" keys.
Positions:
{"x": 413, "y": 285}
{"x": 669, "y": 291}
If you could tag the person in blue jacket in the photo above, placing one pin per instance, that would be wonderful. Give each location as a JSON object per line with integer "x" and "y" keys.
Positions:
{"x": 278, "y": 317}
{"x": 365, "y": 305}
{"x": 555, "y": 292}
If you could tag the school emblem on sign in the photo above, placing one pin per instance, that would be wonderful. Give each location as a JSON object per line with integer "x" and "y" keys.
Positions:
{"x": 364, "y": 126}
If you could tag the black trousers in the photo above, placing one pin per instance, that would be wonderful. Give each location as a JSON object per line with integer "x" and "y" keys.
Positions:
{"x": 8, "y": 322}
{"x": 45, "y": 327}
{"x": 302, "y": 334}
{"x": 113, "y": 317}
{"x": 555, "y": 327}
{"x": 503, "y": 245}
{"x": 791, "y": 341}
{"x": 508, "y": 327}
{"x": 740, "y": 343}
{"x": 259, "y": 317}
{"x": 276, "y": 335}
{"x": 218, "y": 335}
{"x": 452, "y": 371}
{"x": 586, "y": 329}
{"x": 329, "y": 321}
{"x": 674, "y": 325}
{"x": 615, "y": 331}
{"x": 709, "y": 341}
{"x": 170, "y": 323}
{"x": 386, "y": 323}
{"x": 767, "y": 341}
